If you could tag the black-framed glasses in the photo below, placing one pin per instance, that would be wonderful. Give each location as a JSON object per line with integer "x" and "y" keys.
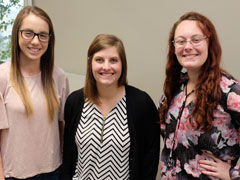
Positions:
{"x": 29, "y": 35}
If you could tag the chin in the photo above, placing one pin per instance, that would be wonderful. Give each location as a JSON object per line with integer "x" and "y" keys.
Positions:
{"x": 35, "y": 58}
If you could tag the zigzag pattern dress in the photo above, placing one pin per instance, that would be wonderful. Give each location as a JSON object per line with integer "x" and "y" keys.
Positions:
{"x": 103, "y": 144}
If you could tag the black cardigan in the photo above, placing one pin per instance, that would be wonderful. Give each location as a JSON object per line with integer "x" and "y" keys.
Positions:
{"x": 144, "y": 132}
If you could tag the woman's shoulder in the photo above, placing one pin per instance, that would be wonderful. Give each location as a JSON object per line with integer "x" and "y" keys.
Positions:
{"x": 136, "y": 93}
{"x": 76, "y": 96}
{"x": 58, "y": 72}
{"x": 4, "y": 71}
{"x": 4, "y": 76}
{"x": 5, "y": 68}
{"x": 60, "y": 77}
{"x": 134, "y": 90}
{"x": 228, "y": 83}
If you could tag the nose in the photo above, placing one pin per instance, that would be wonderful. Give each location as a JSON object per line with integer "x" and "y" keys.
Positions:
{"x": 106, "y": 65}
{"x": 188, "y": 45}
{"x": 35, "y": 39}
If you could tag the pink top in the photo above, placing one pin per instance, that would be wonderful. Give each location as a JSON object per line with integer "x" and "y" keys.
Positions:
{"x": 29, "y": 146}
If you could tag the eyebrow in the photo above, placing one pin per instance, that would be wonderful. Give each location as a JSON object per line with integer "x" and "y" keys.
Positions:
{"x": 41, "y": 32}
{"x": 98, "y": 57}
{"x": 190, "y": 37}
{"x": 116, "y": 57}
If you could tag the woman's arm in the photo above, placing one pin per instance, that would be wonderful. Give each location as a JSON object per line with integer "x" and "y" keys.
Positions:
{"x": 61, "y": 133}
{"x": 3, "y": 118}
{"x": 219, "y": 168}
{"x": 61, "y": 122}
{"x": 152, "y": 140}
{"x": 66, "y": 172}
{"x": 1, "y": 168}
{"x": 71, "y": 115}
{"x": 1, "y": 165}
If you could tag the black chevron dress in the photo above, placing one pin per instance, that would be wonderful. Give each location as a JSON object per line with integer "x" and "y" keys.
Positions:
{"x": 103, "y": 144}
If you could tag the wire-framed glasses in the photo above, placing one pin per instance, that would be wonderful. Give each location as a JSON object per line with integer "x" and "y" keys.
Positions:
{"x": 29, "y": 35}
{"x": 195, "y": 41}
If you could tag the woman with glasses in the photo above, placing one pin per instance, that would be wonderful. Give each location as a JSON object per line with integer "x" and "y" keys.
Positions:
{"x": 111, "y": 128}
{"x": 200, "y": 109}
{"x": 32, "y": 97}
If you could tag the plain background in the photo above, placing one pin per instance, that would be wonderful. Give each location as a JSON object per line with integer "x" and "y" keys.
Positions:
{"x": 143, "y": 27}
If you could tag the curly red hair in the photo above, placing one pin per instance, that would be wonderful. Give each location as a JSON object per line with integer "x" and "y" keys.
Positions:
{"x": 208, "y": 93}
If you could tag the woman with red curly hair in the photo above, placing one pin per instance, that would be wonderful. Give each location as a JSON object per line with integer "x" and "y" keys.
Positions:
{"x": 200, "y": 109}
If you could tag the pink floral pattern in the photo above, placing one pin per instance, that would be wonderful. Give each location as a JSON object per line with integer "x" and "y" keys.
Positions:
{"x": 223, "y": 140}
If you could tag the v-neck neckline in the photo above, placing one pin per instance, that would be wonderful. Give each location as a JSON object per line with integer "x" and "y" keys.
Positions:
{"x": 110, "y": 112}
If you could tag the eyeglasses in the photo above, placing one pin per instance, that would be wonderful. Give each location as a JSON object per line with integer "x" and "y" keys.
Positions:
{"x": 195, "y": 41}
{"x": 29, "y": 35}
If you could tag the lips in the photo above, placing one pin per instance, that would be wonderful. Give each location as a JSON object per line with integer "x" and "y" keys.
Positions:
{"x": 190, "y": 55}
{"x": 34, "y": 50}
{"x": 106, "y": 74}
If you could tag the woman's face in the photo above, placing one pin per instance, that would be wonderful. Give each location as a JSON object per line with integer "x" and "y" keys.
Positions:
{"x": 33, "y": 49}
{"x": 191, "y": 45}
{"x": 107, "y": 67}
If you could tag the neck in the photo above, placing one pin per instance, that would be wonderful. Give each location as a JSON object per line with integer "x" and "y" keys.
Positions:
{"x": 109, "y": 97}
{"x": 29, "y": 67}
{"x": 193, "y": 80}
{"x": 109, "y": 92}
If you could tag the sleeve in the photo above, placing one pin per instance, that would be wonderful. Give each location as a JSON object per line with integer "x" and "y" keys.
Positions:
{"x": 152, "y": 140}
{"x": 162, "y": 126}
{"x": 162, "y": 99}
{"x": 3, "y": 114}
{"x": 69, "y": 146}
{"x": 64, "y": 95}
{"x": 233, "y": 103}
{"x": 233, "y": 106}
{"x": 3, "y": 111}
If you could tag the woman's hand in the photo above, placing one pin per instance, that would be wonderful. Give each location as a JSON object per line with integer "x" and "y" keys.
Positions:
{"x": 216, "y": 168}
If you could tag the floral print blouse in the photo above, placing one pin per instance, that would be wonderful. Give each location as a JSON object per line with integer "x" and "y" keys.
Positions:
{"x": 222, "y": 140}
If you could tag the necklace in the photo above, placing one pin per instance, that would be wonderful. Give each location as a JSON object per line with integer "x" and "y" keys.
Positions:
{"x": 170, "y": 161}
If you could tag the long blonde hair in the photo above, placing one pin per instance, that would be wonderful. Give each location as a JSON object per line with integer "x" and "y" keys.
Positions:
{"x": 46, "y": 64}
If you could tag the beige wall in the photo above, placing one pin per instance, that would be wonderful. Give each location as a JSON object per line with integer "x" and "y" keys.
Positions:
{"x": 143, "y": 26}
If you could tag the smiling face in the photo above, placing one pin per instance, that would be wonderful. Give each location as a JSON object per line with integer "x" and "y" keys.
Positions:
{"x": 33, "y": 49}
{"x": 107, "y": 67}
{"x": 191, "y": 55}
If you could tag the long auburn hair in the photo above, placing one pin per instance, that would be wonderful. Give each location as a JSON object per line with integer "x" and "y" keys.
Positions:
{"x": 100, "y": 42}
{"x": 46, "y": 64}
{"x": 208, "y": 92}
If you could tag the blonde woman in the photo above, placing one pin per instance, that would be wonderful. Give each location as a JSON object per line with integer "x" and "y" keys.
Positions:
{"x": 32, "y": 96}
